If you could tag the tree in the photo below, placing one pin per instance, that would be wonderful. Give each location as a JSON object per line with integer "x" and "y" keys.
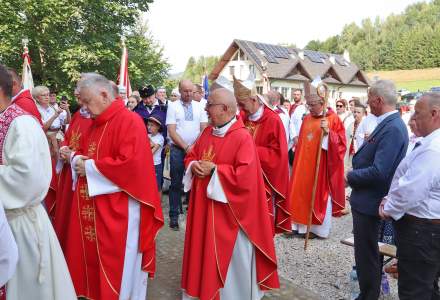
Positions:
{"x": 195, "y": 69}
{"x": 68, "y": 37}
{"x": 406, "y": 41}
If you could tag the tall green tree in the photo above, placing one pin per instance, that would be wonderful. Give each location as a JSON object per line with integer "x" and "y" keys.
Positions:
{"x": 67, "y": 37}
{"x": 405, "y": 41}
{"x": 196, "y": 68}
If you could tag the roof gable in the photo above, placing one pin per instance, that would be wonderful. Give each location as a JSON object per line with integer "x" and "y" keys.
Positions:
{"x": 280, "y": 62}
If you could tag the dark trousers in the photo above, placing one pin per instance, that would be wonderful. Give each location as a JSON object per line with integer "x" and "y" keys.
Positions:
{"x": 366, "y": 254}
{"x": 177, "y": 169}
{"x": 159, "y": 175}
{"x": 418, "y": 252}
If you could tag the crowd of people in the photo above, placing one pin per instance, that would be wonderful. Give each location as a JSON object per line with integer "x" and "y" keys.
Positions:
{"x": 81, "y": 192}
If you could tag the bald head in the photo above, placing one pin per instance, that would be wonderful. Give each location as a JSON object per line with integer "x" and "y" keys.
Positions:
{"x": 186, "y": 88}
{"x": 221, "y": 106}
{"x": 226, "y": 97}
{"x": 427, "y": 113}
{"x": 432, "y": 98}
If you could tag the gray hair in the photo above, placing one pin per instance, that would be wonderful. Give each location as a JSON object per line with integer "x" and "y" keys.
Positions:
{"x": 433, "y": 98}
{"x": 385, "y": 89}
{"x": 39, "y": 90}
{"x": 89, "y": 80}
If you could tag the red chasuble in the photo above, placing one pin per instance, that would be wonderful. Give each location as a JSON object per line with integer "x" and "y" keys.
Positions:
{"x": 50, "y": 199}
{"x": 331, "y": 170}
{"x": 212, "y": 226}
{"x": 66, "y": 210}
{"x": 270, "y": 138}
{"x": 27, "y": 103}
{"x": 118, "y": 144}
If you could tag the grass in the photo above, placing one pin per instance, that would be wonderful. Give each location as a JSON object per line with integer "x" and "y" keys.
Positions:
{"x": 413, "y": 80}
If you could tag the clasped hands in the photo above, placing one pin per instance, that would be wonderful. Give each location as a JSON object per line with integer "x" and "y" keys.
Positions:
{"x": 202, "y": 168}
{"x": 80, "y": 165}
{"x": 65, "y": 153}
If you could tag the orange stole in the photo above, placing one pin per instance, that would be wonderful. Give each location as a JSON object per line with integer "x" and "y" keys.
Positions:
{"x": 304, "y": 171}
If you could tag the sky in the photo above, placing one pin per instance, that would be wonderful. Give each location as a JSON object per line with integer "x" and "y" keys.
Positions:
{"x": 202, "y": 27}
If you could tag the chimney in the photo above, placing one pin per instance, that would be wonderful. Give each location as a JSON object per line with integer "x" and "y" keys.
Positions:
{"x": 346, "y": 55}
{"x": 332, "y": 59}
{"x": 301, "y": 55}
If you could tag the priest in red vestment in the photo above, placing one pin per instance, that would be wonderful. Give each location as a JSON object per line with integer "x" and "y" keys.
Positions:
{"x": 330, "y": 193}
{"x": 23, "y": 98}
{"x": 269, "y": 136}
{"x": 229, "y": 251}
{"x": 119, "y": 212}
{"x": 66, "y": 210}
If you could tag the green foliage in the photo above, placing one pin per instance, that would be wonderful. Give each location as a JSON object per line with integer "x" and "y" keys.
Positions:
{"x": 195, "y": 69}
{"x": 68, "y": 37}
{"x": 410, "y": 40}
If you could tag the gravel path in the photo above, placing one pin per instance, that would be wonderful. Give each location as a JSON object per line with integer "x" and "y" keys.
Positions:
{"x": 324, "y": 268}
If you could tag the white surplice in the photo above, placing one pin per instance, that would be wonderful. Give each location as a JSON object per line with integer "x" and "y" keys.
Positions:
{"x": 241, "y": 277}
{"x": 24, "y": 181}
{"x": 134, "y": 280}
{"x": 8, "y": 249}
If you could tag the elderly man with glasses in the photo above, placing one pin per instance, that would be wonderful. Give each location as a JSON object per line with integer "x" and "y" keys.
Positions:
{"x": 330, "y": 190}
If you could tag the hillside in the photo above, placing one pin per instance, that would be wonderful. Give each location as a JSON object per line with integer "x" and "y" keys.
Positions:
{"x": 413, "y": 80}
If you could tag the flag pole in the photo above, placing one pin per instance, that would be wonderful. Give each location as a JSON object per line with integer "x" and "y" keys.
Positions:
{"x": 322, "y": 91}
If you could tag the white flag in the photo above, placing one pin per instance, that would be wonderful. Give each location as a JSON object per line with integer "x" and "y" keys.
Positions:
{"x": 27, "y": 81}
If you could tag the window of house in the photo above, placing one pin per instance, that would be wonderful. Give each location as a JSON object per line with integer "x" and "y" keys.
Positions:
{"x": 260, "y": 90}
{"x": 284, "y": 91}
{"x": 252, "y": 69}
{"x": 276, "y": 88}
{"x": 232, "y": 70}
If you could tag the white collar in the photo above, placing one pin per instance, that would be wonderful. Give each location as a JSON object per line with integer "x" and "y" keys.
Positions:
{"x": 433, "y": 135}
{"x": 385, "y": 115}
{"x": 84, "y": 113}
{"x": 257, "y": 115}
{"x": 220, "y": 132}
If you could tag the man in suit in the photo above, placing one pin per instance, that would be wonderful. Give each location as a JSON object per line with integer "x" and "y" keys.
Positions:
{"x": 374, "y": 165}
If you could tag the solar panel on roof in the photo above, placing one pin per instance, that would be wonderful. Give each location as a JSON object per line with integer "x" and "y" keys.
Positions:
{"x": 313, "y": 56}
{"x": 252, "y": 54}
{"x": 269, "y": 52}
{"x": 271, "y": 59}
{"x": 340, "y": 61}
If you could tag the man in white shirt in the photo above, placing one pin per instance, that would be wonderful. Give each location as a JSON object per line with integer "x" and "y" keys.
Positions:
{"x": 298, "y": 111}
{"x": 199, "y": 94}
{"x": 185, "y": 120}
{"x": 366, "y": 127}
{"x": 274, "y": 101}
{"x": 414, "y": 203}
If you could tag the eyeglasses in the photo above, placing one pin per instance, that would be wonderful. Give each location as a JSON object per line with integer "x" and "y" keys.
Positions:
{"x": 312, "y": 104}
{"x": 208, "y": 105}
{"x": 340, "y": 106}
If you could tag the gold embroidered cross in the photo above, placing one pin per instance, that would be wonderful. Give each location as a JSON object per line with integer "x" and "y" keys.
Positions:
{"x": 208, "y": 155}
{"x": 90, "y": 233}
{"x": 83, "y": 191}
{"x": 74, "y": 140}
{"x": 92, "y": 149}
{"x": 88, "y": 212}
